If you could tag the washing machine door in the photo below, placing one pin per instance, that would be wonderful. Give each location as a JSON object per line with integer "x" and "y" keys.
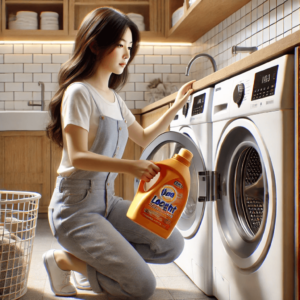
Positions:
{"x": 245, "y": 215}
{"x": 164, "y": 147}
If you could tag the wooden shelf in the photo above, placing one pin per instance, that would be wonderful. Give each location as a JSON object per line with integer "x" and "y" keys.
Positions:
{"x": 152, "y": 11}
{"x": 198, "y": 19}
{"x": 13, "y": 6}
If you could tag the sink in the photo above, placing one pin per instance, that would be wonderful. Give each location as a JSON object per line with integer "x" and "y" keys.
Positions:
{"x": 23, "y": 120}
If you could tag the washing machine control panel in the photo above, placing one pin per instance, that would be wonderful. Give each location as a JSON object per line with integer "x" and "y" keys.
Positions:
{"x": 198, "y": 104}
{"x": 264, "y": 83}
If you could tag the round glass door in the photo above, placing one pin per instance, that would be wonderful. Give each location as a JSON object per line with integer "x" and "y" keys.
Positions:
{"x": 166, "y": 146}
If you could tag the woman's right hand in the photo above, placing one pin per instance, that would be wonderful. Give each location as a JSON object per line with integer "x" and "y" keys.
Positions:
{"x": 144, "y": 169}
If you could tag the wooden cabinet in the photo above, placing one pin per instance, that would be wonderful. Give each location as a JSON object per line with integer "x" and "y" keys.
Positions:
{"x": 25, "y": 163}
{"x": 199, "y": 18}
{"x": 11, "y": 7}
{"x": 151, "y": 10}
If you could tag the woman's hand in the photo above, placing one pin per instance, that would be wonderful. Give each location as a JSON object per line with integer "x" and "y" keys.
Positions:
{"x": 144, "y": 169}
{"x": 183, "y": 94}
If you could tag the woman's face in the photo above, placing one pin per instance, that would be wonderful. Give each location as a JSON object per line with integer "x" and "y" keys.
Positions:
{"x": 116, "y": 61}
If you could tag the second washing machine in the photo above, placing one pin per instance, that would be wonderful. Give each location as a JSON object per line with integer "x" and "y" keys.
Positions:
{"x": 192, "y": 129}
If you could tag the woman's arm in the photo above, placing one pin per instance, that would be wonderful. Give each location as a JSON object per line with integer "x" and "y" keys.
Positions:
{"x": 144, "y": 136}
{"x": 81, "y": 158}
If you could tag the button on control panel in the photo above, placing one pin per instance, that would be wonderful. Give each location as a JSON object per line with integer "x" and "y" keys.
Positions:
{"x": 198, "y": 105}
{"x": 265, "y": 83}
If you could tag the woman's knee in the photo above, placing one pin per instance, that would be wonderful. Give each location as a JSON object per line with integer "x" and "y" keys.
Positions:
{"x": 176, "y": 241}
{"x": 143, "y": 287}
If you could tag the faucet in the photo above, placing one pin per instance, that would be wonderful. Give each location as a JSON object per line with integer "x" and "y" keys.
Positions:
{"x": 30, "y": 103}
{"x": 197, "y": 56}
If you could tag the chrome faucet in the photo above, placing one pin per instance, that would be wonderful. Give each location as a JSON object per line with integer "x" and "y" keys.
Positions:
{"x": 197, "y": 56}
{"x": 42, "y": 105}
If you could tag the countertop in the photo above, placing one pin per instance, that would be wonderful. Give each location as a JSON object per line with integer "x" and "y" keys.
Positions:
{"x": 284, "y": 46}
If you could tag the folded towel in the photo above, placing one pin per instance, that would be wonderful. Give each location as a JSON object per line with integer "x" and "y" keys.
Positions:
{"x": 49, "y": 23}
{"x": 136, "y": 16}
{"x": 31, "y": 14}
{"x": 49, "y": 19}
{"x": 49, "y": 14}
{"x": 27, "y": 21}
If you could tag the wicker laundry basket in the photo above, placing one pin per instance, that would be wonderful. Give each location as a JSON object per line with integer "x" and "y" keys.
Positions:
{"x": 18, "y": 217}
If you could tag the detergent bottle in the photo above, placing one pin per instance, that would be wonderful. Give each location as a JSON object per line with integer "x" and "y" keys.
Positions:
{"x": 159, "y": 208}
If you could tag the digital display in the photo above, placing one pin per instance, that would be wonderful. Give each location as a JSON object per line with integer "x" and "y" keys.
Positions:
{"x": 198, "y": 104}
{"x": 265, "y": 83}
{"x": 266, "y": 78}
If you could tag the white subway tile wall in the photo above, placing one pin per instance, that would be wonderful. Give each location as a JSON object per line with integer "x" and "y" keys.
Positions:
{"x": 23, "y": 65}
{"x": 259, "y": 23}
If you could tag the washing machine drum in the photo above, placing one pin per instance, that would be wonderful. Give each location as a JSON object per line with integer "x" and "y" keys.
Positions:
{"x": 246, "y": 212}
{"x": 164, "y": 147}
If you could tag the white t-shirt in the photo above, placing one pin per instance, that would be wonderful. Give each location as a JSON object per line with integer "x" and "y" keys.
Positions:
{"x": 79, "y": 108}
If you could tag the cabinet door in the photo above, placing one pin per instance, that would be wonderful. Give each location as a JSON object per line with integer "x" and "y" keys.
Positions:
{"x": 25, "y": 163}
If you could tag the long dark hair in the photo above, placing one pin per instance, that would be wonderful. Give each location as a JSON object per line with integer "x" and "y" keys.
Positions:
{"x": 105, "y": 26}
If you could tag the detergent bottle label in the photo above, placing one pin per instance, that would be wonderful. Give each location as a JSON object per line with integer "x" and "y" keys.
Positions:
{"x": 164, "y": 204}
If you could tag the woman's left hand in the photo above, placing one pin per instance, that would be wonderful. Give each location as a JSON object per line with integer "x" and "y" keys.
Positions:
{"x": 183, "y": 94}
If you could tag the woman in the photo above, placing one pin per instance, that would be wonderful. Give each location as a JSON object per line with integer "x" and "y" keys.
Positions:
{"x": 92, "y": 123}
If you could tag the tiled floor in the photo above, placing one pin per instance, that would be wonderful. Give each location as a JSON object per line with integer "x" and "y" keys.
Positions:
{"x": 172, "y": 283}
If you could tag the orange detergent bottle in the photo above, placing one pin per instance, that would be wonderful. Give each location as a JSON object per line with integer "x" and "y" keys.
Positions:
{"x": 159, "y": 208}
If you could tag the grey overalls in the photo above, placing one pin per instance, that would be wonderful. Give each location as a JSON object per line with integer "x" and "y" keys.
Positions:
{"x": 90, "y": 222}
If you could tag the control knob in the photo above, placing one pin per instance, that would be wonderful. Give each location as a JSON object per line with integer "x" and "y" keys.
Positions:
{"x": 185, "y": 109}
{"x": 238, "y": 94}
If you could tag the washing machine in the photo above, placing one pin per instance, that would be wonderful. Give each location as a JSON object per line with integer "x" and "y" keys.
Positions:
{"x": 192, "y": 129}
{"x": 253, "y": 161}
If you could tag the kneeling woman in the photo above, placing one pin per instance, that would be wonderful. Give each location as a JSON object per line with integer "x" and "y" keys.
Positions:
{"x": 89, "y": 120}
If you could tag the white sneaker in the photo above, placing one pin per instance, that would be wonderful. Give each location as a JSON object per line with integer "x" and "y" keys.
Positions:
{"x": 81, "y": 282}
{"x": 59, "y": 279}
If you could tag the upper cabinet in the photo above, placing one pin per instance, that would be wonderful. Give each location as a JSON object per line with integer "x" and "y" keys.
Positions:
{"x": 38, "y": 28}
{"x": 198, "y": 18}
{"x": 151, "y": 10}
{"x": 195, "y": 21}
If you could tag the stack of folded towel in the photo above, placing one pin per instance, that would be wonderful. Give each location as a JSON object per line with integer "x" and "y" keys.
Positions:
{"x": 49, "y": 20}
{"x": 177, "y": 15}
{"x": 23, "y": 20}
{"x": 138, "y": 20}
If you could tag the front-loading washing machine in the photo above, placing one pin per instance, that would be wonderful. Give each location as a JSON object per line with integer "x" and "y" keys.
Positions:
{"x": 253, "y": 159}
{"x": 192, "y": 129}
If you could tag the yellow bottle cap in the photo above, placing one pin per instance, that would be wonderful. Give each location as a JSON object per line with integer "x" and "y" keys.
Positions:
{"x": 188, "y": 155}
